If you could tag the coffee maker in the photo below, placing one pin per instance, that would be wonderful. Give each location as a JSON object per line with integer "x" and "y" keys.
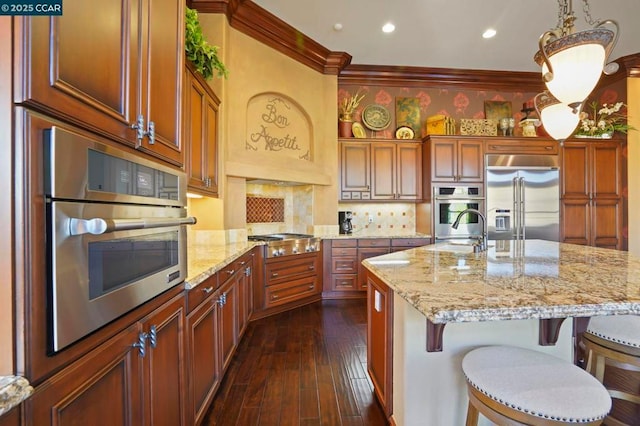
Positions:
{"x": 344, "y": 220}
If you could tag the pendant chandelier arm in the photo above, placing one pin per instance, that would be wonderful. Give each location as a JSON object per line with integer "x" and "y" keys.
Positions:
{"x": 544, "y": 40}
{"x": 610, "y": 67}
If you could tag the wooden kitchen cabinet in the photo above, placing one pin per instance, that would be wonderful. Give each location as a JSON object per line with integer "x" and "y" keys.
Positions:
{"x": 341, "y": 261}
{"x": 119, "y": 383}
{"x": 355, "y": 171}
{"x": 229, "y": 308}
{"x": 345, "y": 277}
{"x": 457, "y": 160}
{"x": 245, "y": 291}
{"x": 380, "y": 170}
{"x": 591, "y": 193}
{"x": 521, "y": 145}
{"x": 215, "y": 324}
{"x": 106, "y": 384}
{"x": 12, "y": 417}
{"x": 396, "y": 171}
{"x": 369, "y": 247}
{"x": 289, "y": 281}
{"x": 200, "y": 121}
{"x": 165, "y": 378}
{"x": 380, "y": 341}
{"x": 203, "y": 350}
{"x": 102, "y": 74}
{"x": 292, "y": 278}
{"x": 400, "y": 244}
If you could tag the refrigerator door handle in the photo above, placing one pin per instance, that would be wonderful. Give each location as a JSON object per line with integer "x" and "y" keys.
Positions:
{"x": 521, "y": 210}
{"x": 515, "y": 214}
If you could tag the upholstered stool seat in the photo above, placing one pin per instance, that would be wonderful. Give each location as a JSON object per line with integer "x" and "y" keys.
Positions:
{"x": 614, "y": 341}
{"x": 512, "y": 386}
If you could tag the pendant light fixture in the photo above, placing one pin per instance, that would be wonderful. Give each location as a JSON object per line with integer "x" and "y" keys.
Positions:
{"x": 558, "y": 119}
{"x": 572, "y": 62}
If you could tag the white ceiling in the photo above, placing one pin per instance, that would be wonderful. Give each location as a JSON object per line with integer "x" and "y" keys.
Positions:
{"x": 447, "y": 33}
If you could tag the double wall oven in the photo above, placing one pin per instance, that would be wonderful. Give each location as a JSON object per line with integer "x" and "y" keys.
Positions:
{"x": 448, "y": 202}
{"x": 116, "y": 234}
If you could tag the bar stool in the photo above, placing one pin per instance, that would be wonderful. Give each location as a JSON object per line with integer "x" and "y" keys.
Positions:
{"x": 516, "y": 386}
{"x": 614, "y": 341}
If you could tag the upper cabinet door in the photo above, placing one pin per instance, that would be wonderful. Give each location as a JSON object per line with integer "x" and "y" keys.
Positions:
{"x": 102, "y": 67}
{"x": 162, "y": 62}
{"x": 82, "y": 66}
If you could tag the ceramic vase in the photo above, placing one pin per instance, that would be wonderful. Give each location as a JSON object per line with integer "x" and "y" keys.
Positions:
{"x": 344, "y": 129}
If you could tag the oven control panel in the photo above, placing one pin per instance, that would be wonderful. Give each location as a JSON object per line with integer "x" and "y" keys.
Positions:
{"x": 292, "y": 247}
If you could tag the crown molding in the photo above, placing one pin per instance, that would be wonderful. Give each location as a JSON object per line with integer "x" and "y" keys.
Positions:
{"x": 424, "y": 77}
{"x": 630, "y": 65}
{"x": 254, "y": 21}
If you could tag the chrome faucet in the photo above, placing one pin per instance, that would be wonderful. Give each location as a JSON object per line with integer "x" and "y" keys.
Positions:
{"x": 483, "y": 240}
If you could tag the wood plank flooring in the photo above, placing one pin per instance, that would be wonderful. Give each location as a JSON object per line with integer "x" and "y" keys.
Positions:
{"x": 302, "y": 367}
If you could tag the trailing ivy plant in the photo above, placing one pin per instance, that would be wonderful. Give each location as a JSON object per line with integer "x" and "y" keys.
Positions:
{"x": 203, "y": 55}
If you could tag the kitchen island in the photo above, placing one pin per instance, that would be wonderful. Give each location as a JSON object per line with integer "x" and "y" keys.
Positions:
{"x": 431, "y": 305}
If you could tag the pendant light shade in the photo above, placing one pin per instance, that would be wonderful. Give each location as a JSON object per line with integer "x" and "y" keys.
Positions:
{"x": 572, "y": 62}
{"x": 558, "y": 119}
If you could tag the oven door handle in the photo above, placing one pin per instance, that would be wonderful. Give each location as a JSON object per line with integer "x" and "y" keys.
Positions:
{"x": 97, "y": 226}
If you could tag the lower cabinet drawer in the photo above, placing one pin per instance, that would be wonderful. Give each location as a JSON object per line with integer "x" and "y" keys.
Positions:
{"x": 344, "y": 282}
{"x": 344, "y": 265}
{"x": 298, "y": 266}
{"x": 284, "y": 293}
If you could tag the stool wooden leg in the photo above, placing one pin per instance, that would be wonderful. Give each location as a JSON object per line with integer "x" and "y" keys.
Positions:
{"x": 472, "y": 415}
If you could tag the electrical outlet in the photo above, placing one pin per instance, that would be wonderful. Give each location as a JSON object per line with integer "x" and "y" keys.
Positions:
{"x": 370, "y": 219}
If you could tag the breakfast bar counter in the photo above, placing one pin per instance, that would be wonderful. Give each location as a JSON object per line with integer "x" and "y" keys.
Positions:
{"x": 444, "y": 299}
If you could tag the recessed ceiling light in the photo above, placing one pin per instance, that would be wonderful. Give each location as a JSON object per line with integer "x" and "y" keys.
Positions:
{"x": 337, "y": 26}
{"x": 388, "y": 27}
{"x": 489, "y": 32}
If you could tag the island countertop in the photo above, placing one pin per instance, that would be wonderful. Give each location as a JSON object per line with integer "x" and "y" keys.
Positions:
{"x": 530, "y": 279}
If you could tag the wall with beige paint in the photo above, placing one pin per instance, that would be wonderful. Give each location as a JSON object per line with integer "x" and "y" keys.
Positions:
{"x": 254, "y": 69}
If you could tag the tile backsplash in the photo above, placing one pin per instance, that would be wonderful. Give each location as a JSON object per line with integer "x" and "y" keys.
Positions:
{"x": 265, "y": 209}
{"x": 298, "y": 209}
{"x": 390, "y": 217}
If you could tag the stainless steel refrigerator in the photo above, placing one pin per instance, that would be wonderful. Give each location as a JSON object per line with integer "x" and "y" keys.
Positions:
{"x": 522, "y": 197}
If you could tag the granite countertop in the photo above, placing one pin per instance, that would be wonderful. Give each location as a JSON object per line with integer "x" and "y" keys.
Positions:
{"x": 204, "y": 260}
{"x": 375, "y": 234}
{"x": 13, "y": 390}
{"x": 531, "y": 279}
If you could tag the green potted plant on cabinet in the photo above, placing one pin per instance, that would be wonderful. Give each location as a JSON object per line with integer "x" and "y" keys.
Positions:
{"x": 203, "y": 55}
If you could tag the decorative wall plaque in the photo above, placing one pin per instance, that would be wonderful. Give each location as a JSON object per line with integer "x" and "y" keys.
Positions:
{"x": 276, "y": 124}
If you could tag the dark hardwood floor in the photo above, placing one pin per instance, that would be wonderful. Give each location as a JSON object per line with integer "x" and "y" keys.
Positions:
{"x": 302, "y": 367}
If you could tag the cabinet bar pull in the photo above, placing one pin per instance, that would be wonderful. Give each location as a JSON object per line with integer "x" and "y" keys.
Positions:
{"x": 151, "y": 132}
{"x": 311, "y": 287}
{"x": 207, "y": 290}
{"x": 153, "y": 336}
{"x": 141, "y": 344}
{"x": 274, "y": 274}
{"x": 312, "y": 267}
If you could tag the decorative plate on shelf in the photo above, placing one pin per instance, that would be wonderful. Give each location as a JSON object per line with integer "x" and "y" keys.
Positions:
{"x": 404, "y": 132}
{"x": 376, "y": 117}
{"x": 358, "y": 130}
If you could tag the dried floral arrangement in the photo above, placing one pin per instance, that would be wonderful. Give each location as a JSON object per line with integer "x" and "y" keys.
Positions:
{"x": 348, "y": 106}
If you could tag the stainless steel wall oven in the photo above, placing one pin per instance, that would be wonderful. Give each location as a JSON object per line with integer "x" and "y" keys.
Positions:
{"x": 116, "y": 234}
{"x": 448, "y": 202}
